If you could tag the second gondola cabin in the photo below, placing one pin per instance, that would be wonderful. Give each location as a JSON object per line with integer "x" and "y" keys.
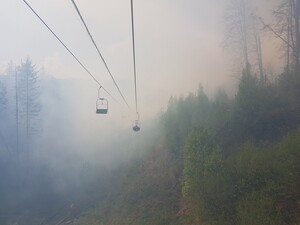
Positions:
{"x": 136, "y": 126}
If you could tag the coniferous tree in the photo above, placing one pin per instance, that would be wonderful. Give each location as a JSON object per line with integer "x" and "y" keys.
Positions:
{"x": 29, "y": 105}
{"x": 3, "y": 102}
{"x": 3, "y": 99}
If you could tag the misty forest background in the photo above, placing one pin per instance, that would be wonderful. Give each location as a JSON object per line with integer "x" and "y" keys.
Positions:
{"x": 212, "y": 160}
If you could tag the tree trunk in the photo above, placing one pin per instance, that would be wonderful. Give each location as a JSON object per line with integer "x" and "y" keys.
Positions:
{"x": 259, "y": 58}
{"x": 17, "y": 116}
{"x": 27, "y": 116}
{"x": 297, "y": 36}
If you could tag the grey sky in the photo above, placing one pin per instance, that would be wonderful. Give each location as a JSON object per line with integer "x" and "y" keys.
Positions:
{"x": 179, "y": 44}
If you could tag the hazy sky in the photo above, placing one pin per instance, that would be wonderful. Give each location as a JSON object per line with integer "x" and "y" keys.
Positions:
{"x": 178, "y": 44}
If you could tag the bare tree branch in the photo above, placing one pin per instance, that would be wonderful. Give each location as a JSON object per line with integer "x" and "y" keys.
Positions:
{"x": 275, "y": 33}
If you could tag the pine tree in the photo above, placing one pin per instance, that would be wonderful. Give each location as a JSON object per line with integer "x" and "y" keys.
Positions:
{"x": 29, "y": 105}
{"x": 3, "y": 99}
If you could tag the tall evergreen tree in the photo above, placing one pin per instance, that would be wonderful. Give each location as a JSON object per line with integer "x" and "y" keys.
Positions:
{"x": 3, "y": 101}
{"x": 29, "y": 105}
{"x": 3, "y": 98}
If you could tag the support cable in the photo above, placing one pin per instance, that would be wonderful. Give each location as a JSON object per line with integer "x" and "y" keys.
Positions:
{"x": 68, "y": 49}
{"x": 134, "y": 58}
{"x": 101, "y": 56}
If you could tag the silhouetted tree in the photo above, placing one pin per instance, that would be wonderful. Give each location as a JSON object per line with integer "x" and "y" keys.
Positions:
{"x": 29, "y": 105}
{"x": 286, "y": 28}
{"x": 237, "y": 29}
{"x": 3, "y": 98}
{"x": 3, "y": 102}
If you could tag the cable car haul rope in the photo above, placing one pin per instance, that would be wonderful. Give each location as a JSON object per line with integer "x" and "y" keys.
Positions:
{"x": 136, "y": 127}
{"x": 100, "y": 55}
{"x": 68, "y": 49}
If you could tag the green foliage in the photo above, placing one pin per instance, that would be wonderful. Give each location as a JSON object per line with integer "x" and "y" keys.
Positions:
{"x": 274, "y": 173}
{"x": 256, "y": 209}
{"x": 260, "y": 112}
{"x": 203, "y": 177}
{"x": 229, "y": 162}
{"x": 255, "y": 185}
{"x": 182, "y": 116}
{"x": 257, "y": 113}
{"x": 201, "y": 158}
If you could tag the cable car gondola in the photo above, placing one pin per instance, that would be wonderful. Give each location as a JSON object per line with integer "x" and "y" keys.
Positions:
{"x": 101, "y": 104}
{"x": 136, "y": 124}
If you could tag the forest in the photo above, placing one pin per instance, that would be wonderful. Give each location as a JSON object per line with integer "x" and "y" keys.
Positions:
{"x": 222, "y": 159}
